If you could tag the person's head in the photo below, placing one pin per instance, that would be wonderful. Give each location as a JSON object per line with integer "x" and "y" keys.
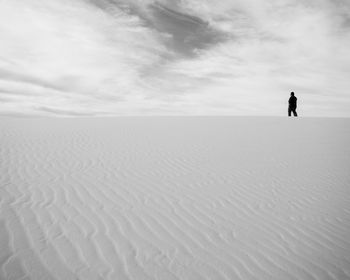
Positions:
{"x": 292, "y": 93}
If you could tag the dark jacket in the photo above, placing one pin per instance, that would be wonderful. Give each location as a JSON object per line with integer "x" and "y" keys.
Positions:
{"x": 292, "y": 102}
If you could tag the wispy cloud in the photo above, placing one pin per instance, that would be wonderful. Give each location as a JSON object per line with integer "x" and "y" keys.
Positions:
{"x": 119, "y": 57}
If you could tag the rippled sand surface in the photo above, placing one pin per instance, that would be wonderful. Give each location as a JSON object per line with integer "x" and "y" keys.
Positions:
{"x": 174, "y": 198}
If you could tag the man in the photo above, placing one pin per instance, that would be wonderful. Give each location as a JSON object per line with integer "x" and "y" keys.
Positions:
{"x": 292, "y": 105}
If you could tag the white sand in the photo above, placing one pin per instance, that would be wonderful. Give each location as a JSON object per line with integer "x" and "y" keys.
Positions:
{"x": 175, "y": 198}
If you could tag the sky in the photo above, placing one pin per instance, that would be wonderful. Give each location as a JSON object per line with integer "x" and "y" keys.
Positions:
{"x": 174, "y": 57}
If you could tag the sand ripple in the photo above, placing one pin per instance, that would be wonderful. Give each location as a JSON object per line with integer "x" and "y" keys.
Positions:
{"x": 174, "y": 198}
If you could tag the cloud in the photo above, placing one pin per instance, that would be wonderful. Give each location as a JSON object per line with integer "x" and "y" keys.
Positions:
{"x": 60, "y": 112}
{"x": 74, "y": 48}
{"x": 273, "y": 50}
{"x": 125, "y": 57}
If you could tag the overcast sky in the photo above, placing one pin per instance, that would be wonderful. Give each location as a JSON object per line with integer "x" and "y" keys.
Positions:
{"x": 177, "y": 57}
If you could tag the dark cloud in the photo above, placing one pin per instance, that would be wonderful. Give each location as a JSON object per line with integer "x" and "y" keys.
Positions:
{"x": 188, "y": 33}
{"x": 184, "y": 34}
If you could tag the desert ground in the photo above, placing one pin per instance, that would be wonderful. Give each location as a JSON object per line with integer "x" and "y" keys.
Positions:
{"x": 174, "y": 198}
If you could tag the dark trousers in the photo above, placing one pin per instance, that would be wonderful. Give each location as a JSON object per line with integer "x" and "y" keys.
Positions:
{"x": 292, "y": 109}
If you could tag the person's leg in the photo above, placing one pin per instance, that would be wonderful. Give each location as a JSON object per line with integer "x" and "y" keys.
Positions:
{"x": 289, "y": 111}
{"x": 295, "y": 113}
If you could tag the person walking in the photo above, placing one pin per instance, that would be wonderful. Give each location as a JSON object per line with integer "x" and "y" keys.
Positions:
{"x": 292, "y": 105}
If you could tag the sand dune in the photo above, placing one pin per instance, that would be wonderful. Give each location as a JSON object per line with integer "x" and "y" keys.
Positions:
{"x": 174, "y": 198}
